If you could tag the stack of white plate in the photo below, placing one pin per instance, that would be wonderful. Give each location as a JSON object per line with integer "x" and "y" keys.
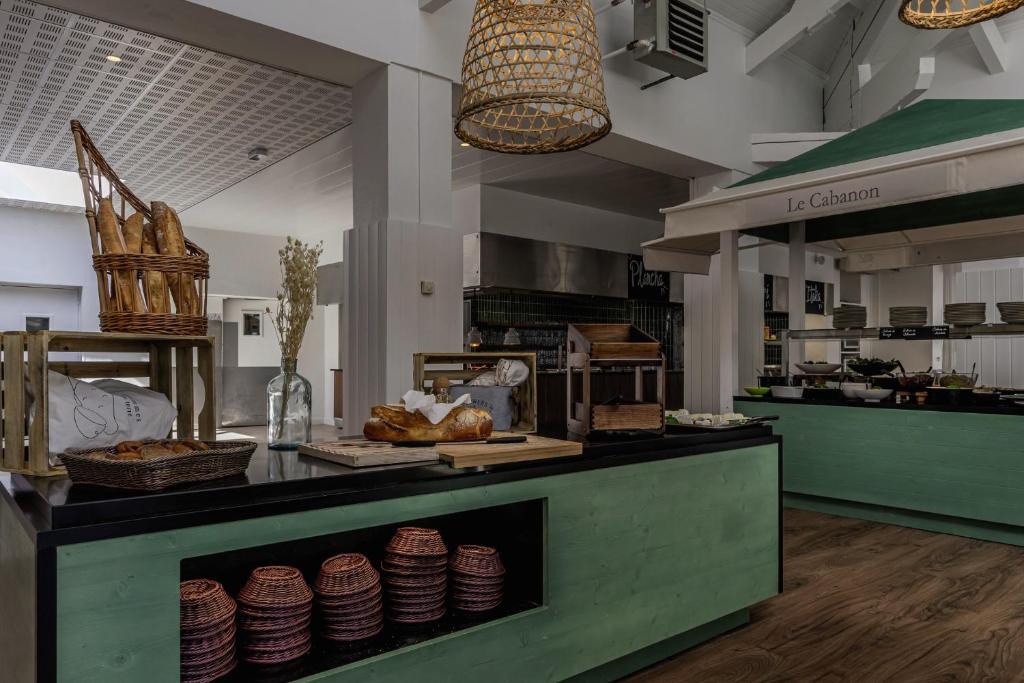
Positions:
{"x": 965, "y": 315}
{"x": 849, "y": 317}
{"x": 1012, "y": 312}
{"x": 908, "y": 316}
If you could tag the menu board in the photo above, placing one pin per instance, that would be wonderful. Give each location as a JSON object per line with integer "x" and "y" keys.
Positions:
{"x": 815, "y": 298}
{"x": 933, "y": 332}
{"x": 648, "y": 285}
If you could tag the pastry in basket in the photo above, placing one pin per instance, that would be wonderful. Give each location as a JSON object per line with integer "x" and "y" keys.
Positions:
{"x": 150, "y": 450}
{"x": 396, "y": 424}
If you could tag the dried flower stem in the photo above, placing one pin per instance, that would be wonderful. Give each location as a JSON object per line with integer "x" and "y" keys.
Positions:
{"x": 294, "y": 305}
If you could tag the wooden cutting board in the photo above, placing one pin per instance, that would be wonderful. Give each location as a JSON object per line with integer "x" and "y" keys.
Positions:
{"x": 479, "y": 454}
{"x": 363, "y": 453}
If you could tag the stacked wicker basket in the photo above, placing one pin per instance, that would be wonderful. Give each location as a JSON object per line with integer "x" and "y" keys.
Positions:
{"x": 349, "y": 599}
{"x": 478, "y": 577}
{"x": 275, "y": 610}
{"x": 415, "y": 573}
{"x": 151, "y": 279}
{"x": 207, "y": 631}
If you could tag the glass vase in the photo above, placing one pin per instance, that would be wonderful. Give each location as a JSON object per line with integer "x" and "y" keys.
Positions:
{"x": 289, "y": 408}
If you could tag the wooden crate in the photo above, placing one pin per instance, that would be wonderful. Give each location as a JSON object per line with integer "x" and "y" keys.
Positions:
{"x": 628, "y": 417}
{"x": 613, "y": 341}
{"x": 468, "y": 365}
{"x": 31, "y": 351}
{"x": 613, "y": 346}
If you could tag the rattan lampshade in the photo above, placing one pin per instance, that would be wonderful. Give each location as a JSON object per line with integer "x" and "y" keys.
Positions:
{"x": 954, "y": 13}
{"x": 532, "y": 78}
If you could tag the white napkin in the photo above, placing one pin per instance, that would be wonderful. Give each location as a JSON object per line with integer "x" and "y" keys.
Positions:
{"x": 427, "y": 405}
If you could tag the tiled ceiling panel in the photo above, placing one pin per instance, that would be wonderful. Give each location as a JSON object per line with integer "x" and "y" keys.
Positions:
{"x": 175, "y": 121}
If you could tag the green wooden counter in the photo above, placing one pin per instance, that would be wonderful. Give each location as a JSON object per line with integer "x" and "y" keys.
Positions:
{"x": 640, "y": 560}
{"x": 943, "y": 470}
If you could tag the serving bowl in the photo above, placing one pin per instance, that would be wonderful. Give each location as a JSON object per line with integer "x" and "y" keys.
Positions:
{"x": 787, "y": 392}
{"x": 758, "y": 392}
{"x": 850, "y": 389}
{"x": 818, "y": 368}
{"x": 873, "y": 395}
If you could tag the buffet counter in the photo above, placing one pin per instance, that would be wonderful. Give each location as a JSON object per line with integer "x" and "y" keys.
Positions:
{"x": 942, "y": 468}
{"x": 621, "y": 557}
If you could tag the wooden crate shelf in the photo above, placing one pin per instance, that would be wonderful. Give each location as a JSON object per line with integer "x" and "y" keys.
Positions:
{"x": 597, "y": 346}
{"x": 25, "y": 363}
{"x": 462, "y": 367}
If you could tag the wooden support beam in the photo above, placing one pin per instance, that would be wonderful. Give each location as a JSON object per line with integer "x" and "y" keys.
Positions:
{"x": 806, "y": 17}
{"x": 991, "y": 46}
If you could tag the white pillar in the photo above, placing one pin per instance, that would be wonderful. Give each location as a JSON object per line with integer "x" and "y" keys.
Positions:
{"x": 938, "y": 312}
{"x": 797, "y": 288}
{"x": 402, "y": 244}
{"x": 729, "y": 319}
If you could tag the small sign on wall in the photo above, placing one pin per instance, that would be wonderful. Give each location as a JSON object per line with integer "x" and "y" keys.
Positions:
{"x": 815, "y": 298}
{"x": 648, "y": 285}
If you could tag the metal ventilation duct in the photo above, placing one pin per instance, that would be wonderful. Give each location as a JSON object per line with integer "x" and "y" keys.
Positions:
{"x": 672, "y": 35}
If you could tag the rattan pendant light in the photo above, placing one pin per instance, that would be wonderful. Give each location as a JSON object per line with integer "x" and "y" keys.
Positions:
{"x": 954, "y": 13}
{"x": 532, "y": 81}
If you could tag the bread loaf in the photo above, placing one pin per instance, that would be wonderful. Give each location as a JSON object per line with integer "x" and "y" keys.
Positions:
{"x": 170, "y": 240}
{"x": 395, "y": 424}
{"x": 113, "y": 243}
{"x": 154, "y": 284}
{"x": 132, "y": 232}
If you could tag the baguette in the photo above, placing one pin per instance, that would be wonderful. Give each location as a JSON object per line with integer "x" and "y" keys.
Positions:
{"x": 153, "y": 282}
{"x": 113, "y": 243}
{"x": 170, "y": 239}
{"x": 396, "y": 425}
{"x": 132, "y": 231}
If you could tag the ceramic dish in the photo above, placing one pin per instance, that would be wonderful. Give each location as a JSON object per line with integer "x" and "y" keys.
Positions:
{"x": 873, "y": 395}
{"x": 787, "y": 392}
{"x": 758, "y": 392}
{"x": 850, "y": 389}
{"x": 818, "y": 368}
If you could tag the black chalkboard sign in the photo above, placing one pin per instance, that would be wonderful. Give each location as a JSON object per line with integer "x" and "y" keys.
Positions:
{"x": 769, "y": 293}
{"x": 935, "y": 332}
{"x": 815, "y": 299}
{"x": 648, "y": 285}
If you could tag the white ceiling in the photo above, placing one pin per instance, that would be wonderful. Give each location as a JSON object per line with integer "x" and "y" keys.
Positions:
{"x": 308, "y": 192}
{"x": 575, "y": 177}
{"x": 755, "y": 15}
{"x": 175, "y": 121}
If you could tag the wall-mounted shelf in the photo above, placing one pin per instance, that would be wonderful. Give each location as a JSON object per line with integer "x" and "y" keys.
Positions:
{"x": 955, "y": 333}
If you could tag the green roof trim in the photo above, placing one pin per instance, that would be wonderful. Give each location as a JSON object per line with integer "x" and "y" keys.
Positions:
{"x": 925, "y": 124}
{"x": 976, "y": 206}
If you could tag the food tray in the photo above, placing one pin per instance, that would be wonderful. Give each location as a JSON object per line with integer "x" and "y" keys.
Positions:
{"x": 223, "y": 459}
{"x": 697, "y": 429}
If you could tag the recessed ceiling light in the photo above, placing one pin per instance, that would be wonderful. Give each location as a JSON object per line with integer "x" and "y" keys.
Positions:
{"x": 464, "y": 144}
{"x": 113, "y": 58}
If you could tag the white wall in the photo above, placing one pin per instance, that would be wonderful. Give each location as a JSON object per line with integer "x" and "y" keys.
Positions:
{"x": 1000, "y": 361}
{"x": 707, "y": 118}
{"x": 494, "y": 209}
{"x": 49, "y": 248}
{"x": 908, "y": 287}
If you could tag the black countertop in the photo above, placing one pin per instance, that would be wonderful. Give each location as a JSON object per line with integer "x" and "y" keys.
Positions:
{"x": 56, "y": 512}
{"x": 1004, "y": 408}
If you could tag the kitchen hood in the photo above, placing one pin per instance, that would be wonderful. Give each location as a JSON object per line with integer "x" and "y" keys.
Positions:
{"x": 498, "y": 261}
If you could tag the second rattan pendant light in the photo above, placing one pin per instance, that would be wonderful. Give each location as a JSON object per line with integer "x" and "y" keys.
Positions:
{"x": 954, "y": 13}
{"x": 532, "y": 81}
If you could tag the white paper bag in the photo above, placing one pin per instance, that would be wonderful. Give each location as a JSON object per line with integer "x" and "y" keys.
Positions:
{"x": 104, "y": 413}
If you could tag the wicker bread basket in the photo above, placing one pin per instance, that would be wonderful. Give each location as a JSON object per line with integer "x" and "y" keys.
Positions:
{"x": 123, "y": 308}
{"x": 223, "y": 459}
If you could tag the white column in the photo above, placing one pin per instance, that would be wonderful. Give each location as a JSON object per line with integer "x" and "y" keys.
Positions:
{"x": 938, "y": 312}
{"x": 402, "y": 245}
{"x": 729, "y": 319}
{"x": 797, "y": 288}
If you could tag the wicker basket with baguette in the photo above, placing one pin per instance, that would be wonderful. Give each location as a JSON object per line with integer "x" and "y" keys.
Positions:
{"x": 151, "y": 279}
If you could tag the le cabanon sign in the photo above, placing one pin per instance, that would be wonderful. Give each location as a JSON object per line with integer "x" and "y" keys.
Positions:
{"x": 872, "y": 191}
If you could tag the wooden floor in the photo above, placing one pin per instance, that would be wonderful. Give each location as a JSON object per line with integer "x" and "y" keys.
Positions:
{"x": 869, "y": 602}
